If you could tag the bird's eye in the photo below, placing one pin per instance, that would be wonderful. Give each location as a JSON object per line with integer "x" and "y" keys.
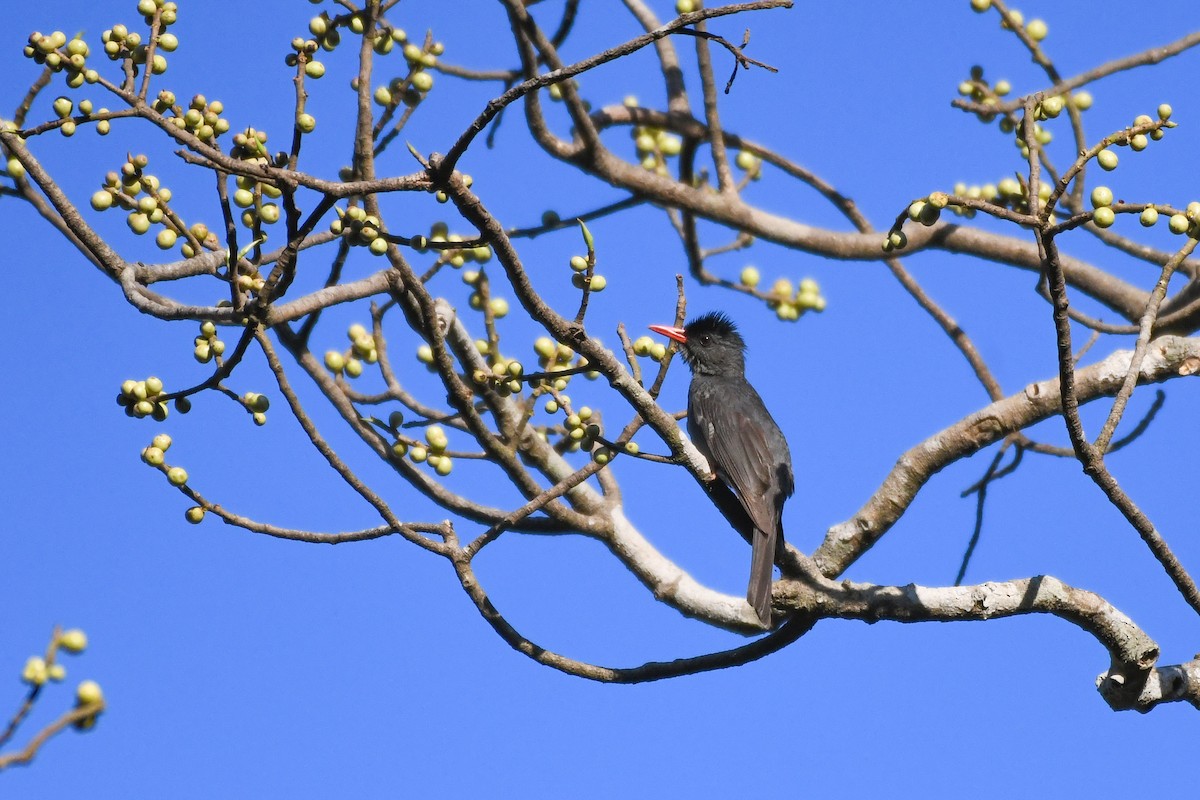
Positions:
{"x": 706, "y": 340}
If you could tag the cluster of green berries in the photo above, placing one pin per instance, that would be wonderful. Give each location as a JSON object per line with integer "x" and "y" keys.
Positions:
{"x": 359, "y": 228}
{"x": 64, "y": 107}
{"x": 654, "y": 146}
{"x": 980, "y": 91}
{"x": 412, "y": 88}
{"x": 325, "y": 32}
{"x": 603, "y": 454}
{"x": 1140, "y": 141}
{"x": 439, "y": 233}
{"x": 1102, "y": 197}
{"x": 1180, "y": 222}
{"x": 988, "y": 191}
{"x": 925, "y": 211}
{"x": 168, "y": 12}
{"x": 202, "y": 116}
{"x": 303, "y": 51}
{"x": 39, "y": 670}
{"x": 579, "y": 429}
{"x": 143, "y": 399}
{"x": 583, "y": 274}
{"x": 647, "y": 347}
{"x": 505, "y": 375}
{"x": 1036, "y": 29}
{"x": 431, "y": 452}
{"x": 60, "y": 55}
{"x": 498, "y": 307}
{"x": 556, "y": 357}
{"x": 147, "y": 202}
{"x": 350, "y": 361}
{"x": 207, "y": 343}
{"x": 155, "y": 455}
{"x": 788, "y": 301}
{"x": 252, "y": 195}
{"x": 1187, "y": 222}
{"x": 257, "y": 404}
{"x": 121, "y": 43}
{"x": 1015, "y": 194}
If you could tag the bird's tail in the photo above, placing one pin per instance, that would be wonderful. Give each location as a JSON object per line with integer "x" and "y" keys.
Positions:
{"x": 762, "y": 564}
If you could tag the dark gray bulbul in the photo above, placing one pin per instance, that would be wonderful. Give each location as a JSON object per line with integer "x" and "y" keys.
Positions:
{"x": 729, "y": 424}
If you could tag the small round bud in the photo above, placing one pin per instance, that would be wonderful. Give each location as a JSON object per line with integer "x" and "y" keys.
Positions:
{"x": 194, "y": 515}
{"x": 35, "y": 671}
{"x": 747, "y": 161}
{"x": 750, "y": 277}
{"x": 73, "y": 640}
{"x": 1149, "y": 217}
{"x": 422, "y": 81}
{"x": 1103, "y": 217}
{"x": 1107, "y": 160}
{"x": 177, "y": 476}
{"x": 579, "y": 263}
{"x": 1101, "y": 196}
{"x": 1178, "y": 223}
{"x": 334, "y": 361}
{"x": 1164, "y": 111}
{"x": 88, "y": 693}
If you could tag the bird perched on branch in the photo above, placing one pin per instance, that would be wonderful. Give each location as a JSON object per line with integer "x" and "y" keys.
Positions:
{"x": 729, "y": 424}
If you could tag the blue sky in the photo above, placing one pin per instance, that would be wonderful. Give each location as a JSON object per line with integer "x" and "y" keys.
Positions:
{"x": 241, "y": 666}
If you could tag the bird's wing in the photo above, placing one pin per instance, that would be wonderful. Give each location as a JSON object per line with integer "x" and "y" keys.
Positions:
{"x": 744, "y": 445}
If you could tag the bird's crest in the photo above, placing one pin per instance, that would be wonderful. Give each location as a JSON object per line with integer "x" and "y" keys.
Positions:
{"x": 716, "y": 324}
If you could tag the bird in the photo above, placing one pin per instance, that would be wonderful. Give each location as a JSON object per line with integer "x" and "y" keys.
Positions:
{"x": 730, "y": 425}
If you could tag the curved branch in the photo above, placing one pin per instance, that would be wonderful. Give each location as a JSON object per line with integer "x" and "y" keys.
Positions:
{"x": 1167, "y": 357}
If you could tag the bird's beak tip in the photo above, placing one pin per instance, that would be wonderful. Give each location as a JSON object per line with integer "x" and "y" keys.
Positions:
{"x": 670, "y": 332}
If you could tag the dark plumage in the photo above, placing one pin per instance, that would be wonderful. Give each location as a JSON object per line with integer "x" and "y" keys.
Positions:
{"x": 729, "y": 424}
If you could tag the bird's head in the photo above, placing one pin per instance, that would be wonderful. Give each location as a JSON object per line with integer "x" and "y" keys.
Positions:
{"x": 711, "y": 344}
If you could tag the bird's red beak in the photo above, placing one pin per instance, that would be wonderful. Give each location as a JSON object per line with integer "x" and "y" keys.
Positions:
{"x": 671, "y": 333}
